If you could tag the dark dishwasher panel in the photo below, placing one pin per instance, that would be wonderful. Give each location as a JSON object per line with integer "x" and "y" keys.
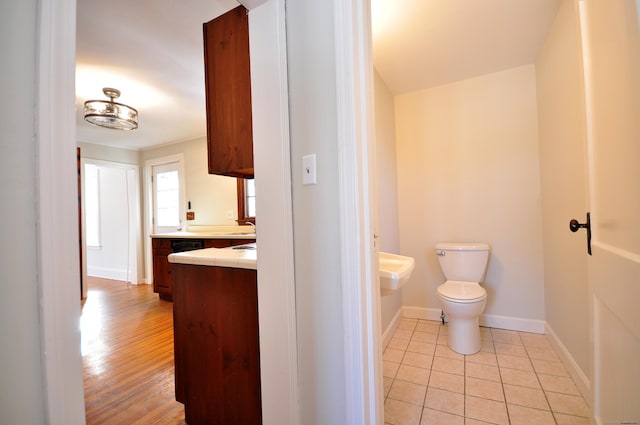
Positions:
{"x": 182, "y": 245}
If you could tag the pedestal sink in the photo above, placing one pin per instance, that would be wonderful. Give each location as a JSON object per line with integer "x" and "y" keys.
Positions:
{"x": 395, "y": 270}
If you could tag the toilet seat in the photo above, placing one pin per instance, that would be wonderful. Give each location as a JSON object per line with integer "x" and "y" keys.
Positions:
{"x": 462, "y": 292}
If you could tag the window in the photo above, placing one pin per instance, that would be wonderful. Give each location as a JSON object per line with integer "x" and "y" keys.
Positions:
{"x": 166, "y": 191}
{"x": 246, "y": 201}
{"x": 92, "y": 205}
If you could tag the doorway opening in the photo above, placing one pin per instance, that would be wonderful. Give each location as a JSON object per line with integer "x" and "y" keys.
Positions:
{"x": 111, "y": 231}
{"x": 164, "y": 194}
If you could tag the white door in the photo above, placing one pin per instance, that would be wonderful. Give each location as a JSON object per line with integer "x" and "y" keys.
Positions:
{"x": 168, "y": 206}
{"x": 611, "y": 42}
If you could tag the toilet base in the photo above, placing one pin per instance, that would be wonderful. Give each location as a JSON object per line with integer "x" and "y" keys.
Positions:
{"x": 464, "y": 335}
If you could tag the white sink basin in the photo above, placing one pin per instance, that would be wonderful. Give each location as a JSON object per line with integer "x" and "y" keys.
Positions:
{"x": 395, "y": 270}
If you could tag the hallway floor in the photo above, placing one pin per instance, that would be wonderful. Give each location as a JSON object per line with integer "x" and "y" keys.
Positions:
{"x": 516, "y": 379}
{"x": 127, "y": 356}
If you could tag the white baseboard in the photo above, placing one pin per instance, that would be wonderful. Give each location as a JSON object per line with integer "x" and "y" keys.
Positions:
{"x": 489, "y": 320}
{"x": 512, "y": 323}
{"x": 581, "y": 380}
{"x": 393, "y": 325}
{"x": 109, "y": 273}
{"x": 421, "y": 313}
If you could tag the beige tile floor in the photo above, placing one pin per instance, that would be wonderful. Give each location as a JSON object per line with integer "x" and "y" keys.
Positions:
{"x": 515, "y": 379}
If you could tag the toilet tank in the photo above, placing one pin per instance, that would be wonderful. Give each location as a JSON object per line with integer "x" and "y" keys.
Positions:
{"x": 465, "y": 262}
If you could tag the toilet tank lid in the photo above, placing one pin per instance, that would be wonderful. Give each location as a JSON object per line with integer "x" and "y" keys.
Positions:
{"x": 462, "y": 246}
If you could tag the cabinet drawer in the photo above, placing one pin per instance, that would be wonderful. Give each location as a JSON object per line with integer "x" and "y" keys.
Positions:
{"x": 161, "y": 243}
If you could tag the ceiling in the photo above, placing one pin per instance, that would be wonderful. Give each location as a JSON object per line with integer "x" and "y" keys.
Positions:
{"x": 152, "y": 51}
{"x": 427, "y": 43}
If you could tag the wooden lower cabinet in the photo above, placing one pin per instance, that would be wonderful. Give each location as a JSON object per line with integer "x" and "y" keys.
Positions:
{"x": 162, "y": 275}
{"x": 162, "y": 278}
{"x": 217, "y": 357}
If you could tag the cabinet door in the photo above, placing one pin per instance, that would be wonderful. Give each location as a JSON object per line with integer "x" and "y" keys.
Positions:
{"x": 162, "y": 277}
{"x": 161, "y": 272}
{"x": 216, "y": 345}
{"x": 228, "y": 94}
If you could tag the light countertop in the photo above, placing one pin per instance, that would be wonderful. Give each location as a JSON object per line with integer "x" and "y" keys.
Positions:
{"x": 220, "y": 257}
{"x": 205, "y": 235}
{"x": 210, "y": 232}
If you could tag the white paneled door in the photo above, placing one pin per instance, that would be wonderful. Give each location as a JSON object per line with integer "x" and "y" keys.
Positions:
{"x": 611, "y": 44}
{"x": 167, "y": 198}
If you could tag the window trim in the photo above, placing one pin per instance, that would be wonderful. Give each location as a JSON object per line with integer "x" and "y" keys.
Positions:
{"x": 242, "y": 204}
{"x": 169, "y": 167}
{"x": 87, "y": 210}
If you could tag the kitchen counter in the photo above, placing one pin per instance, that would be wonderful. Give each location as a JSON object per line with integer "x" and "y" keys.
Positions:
{"x": 233, "y": 257}
{"x": 204, "y": 235}
{"x": 216, "y": 341}
{"x": 208, "y": 237}
{"x": 210, "y": 232}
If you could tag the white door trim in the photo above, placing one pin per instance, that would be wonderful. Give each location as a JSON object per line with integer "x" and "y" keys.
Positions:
{"x": 147, "y": 193}
{"x": 361, "y": 296}
{"x": 57, "y": 226}
{"x": 272, "y": 163}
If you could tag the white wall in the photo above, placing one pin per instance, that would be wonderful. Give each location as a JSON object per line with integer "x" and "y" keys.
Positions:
{"x": 386, "y": 175}
{"x": 110, "y": 259}
{"x": 312, "y": 105}
{"x": 211, "y": 196}
{"x": 561, "y": 113}
{"x": 21, "y": 379}
{"x": 108, "y": 153}
{"x": 468, "y": 170}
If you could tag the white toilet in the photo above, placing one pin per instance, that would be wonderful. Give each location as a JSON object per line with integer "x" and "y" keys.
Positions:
{"x": 463, "y": 299}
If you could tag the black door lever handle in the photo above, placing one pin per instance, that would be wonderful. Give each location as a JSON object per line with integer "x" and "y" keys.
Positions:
{"x": 574, "y": 226}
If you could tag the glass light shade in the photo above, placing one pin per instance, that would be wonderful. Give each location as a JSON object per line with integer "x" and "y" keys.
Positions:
{"x": 110, "y": 114}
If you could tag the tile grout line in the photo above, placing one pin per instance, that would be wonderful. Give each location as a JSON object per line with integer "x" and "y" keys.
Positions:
{"x": 464, "y": 383}
{"x": 438, "y": 335}
{"x": 544, "y": 393}
{"x": 504, "y": 394}
{"x": 427, "y": 388}
{"x": 424, "y": 400}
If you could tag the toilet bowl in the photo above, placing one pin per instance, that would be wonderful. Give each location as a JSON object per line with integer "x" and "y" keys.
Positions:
{"x": 463, "y": 302}
{"x": 461, "y": 296}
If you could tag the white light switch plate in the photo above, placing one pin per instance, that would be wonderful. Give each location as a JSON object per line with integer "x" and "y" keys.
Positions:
{"x": 309, "y": 169}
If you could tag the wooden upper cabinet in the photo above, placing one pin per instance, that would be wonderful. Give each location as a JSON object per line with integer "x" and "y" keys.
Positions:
{"x": 228, "y": 93}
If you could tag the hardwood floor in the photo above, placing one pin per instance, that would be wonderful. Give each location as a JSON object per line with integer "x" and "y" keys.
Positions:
{"x": 127, "y": 352}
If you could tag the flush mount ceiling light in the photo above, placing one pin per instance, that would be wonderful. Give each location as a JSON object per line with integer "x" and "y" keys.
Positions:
{"x": 110, "y": 114}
